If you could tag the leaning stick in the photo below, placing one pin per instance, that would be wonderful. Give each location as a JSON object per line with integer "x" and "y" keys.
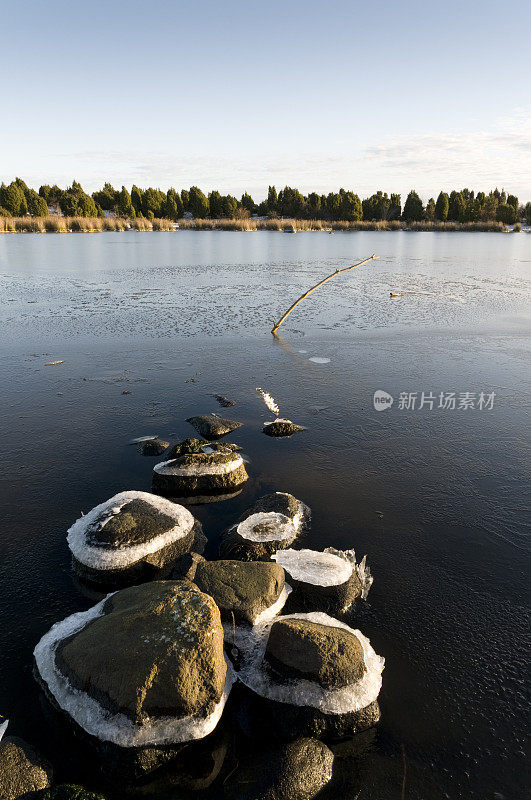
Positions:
{"x": 276, "y": 325}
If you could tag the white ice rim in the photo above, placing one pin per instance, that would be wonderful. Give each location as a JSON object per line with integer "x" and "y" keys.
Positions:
{"x": 314, "y": 567}
{"x": 266, "y": 615}
{"x": 284, "y": 528}
{"x": 301, "y": 692}
{"x": 171, "y": 467}
{"x": 104, "y": 558}
{"x": 98, "y": 721}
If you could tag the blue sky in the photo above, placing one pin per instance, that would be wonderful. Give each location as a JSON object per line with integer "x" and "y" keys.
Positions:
{"x": 236, "y": 96}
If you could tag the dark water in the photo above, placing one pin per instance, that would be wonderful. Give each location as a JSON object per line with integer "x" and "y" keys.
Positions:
{"x": 436, "y": 498}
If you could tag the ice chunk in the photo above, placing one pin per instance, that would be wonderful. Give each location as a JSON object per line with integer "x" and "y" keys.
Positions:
{"x": 173, "y": 467}
{"x": 100, "y": 557}
{"x": 317, "y": 360}
{"x": 255, "y": 675}
{"x": 3, "y": 728}
{"x": 99, "y": 722}
{"x": 311, "y": 566}
{"x": 267, "y": 526}
{"x": 268, "y": 400}
{"x": 362, "y": 570}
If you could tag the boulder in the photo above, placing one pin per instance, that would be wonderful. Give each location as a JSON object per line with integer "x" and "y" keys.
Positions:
{"x": 23, "y": 772}
{"x": 154, "y": 447}
{"x": 211, "y": 426}
{"x": 133, "y": 537}
{"x": 242, "y": 591}
{"x": 296, "y": 771}
{"x": 139, "y": 673}
{"x": 273, "y": 523}
{"x": 310, "y": 675}
{"x": 71, "y": 791}
{"x": 198, "y": 473}
{"x": 281, "y": 427}
{"x": 328, "y": 581}
{"x": 330, "y": 656}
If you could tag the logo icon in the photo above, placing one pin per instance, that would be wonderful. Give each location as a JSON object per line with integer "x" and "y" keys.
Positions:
{"x": 382, "y": 400}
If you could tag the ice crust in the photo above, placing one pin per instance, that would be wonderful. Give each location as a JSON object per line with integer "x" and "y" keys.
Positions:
{"x": 101, "y": 557}
{"x": 282, "y": 527}
{"x": 268, "y": 400}
{"x": 255, "y": 675}
{"x": 3, "y": 728}
{"x": 98, "y": 721}
{"x": 173, "y": 468}
{"x": 311, "y": 566}
{"x": 362, "y": 570}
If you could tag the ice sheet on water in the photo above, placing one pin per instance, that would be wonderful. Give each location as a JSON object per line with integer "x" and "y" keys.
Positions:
{"x": 255, "y": 675}
{"x": 362, "y": 569}
{"x": 314, "y": 567}
{"x": 317, "y": 360}
{"x": 99, "y": 557}
{"x": 173, "y": 467}
{"x": 141, "y": 439}
{"x": 98, "y": 721}
{"x": 277, "y": 527}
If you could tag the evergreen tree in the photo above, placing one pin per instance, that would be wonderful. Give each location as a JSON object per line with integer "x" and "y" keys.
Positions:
{"x": 185, "y": 197}
{"x": 248, "y": 203}
{"x": 333, "y": 206}
{"x": 215, "y": 205}
{"x": 13, "y": 199}
{"x": 198, "y": 203}
{"x": 106, "y": 198}
{"x": 506, "y": 214}
{"x": 430, "y": 209}
{"x": 528, "y": 213}
{"x": 272, "y": 200}
{"x": 124, "y": 205}
{"x": 351, "y": 208}
{"x": 37, "y": 206}
{"x": 441, "y": 207}
{"x": 136, "y": 198}
{"x": 413, "y": 210}
{"x": 153, "y": 200}
{"x": 229, "y": 207}
{"x": 456, "y": 207}
{"x": 314, "y": 206}
{"x": 173, "y": 208}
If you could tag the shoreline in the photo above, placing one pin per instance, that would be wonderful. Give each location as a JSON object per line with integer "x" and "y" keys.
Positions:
{"x": 58, "y": 224}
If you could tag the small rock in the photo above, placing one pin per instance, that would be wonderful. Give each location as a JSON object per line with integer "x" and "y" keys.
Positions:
{"x": 213, "y": 427}
{"x": 281, "y": 427}
{"x": 155, "y": 447}
{"x": 224, "y": 401}
{"x": 23, "y": 772}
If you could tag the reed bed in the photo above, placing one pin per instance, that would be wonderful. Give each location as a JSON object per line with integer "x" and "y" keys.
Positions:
{"x": 98, "y": 224}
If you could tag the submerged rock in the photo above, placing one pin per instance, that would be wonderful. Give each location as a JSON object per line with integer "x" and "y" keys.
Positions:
{"x": 245, "y": 592}
{"x": 71, "y": 791}
{"x": 224, "y": 401}
{"x": 296, "y": 771}
{"x": 213, "y": 427}
{"x": 327, "y": 581}
{"x": 154, "y": 447}
{"x": 134, "y": 536}
{"x": 195, "y": 472}
{"x": 140, "y": 672}
{"x": 281, "y": 427}
{"x": 273, "y": 523}
{"x": 23, "y": 772}
{"x": 311, "y": 675}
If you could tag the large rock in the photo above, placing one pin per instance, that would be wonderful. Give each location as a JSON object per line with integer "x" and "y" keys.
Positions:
{"x": 297, "y": 771}
{"x": 328, "y": 581}
{"x": 213, "y": 427}
{"x": 331, "y": 656}
{"x": 243, "y": 591}
{"x": 23, "y": 772}
{"x": 273, "y": 523}
{"x": 132, "y": 537}
{"x": 311, "y": 675}
{"x": 139, "y": 673}
{"x": 192, "y": 471}
{"x": 281, "y": 427}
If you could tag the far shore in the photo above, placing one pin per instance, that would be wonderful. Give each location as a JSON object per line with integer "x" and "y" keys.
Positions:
{"x": 57, "y": 224}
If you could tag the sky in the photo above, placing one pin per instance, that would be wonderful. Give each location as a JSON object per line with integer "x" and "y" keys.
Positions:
{"x": 238, "y": 95}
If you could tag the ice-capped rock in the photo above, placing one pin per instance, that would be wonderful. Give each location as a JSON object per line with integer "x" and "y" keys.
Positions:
{"x": 281, "y": 427}
{"x": 271, "y": 524}
{"x": 196, "y": 469}
{"x": 133, "y": 536}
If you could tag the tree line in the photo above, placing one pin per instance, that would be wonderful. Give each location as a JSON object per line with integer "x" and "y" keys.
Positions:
{"x": 465, "y": 205}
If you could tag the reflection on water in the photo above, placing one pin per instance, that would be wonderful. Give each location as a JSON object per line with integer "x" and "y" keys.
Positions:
{"x": 435, "y": 498}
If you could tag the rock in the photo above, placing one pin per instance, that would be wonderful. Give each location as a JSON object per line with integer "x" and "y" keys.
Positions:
{"x": 197, "y": 473}
{"x": 154, "y": 447}
{"x": 281, "y": 427}
{"x": 296, "y": 771}
{"x": 273, "y": 523}
{"x": 132, "y": 537}
{"x": 299, "y": 648}
{"x": 213, "y": 427}
{"x": 70, "y": 791}
{"x": 23, "y": 772}
{"x": 243, "y": 590}
{"x": 309, "y": 680}
{"x": 328, "y": 581}
{"x": 139, "y": 673}
{"x": 224, "y": 401}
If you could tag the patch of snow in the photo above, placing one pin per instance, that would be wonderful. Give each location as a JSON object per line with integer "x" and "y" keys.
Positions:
{"x": 279, "y": 527}
{"x": 101, "y": 557}
{"x": 311, "y": 566}
{"x": 255, "y": 675}
{"x": 223, "y": 468}
{"x": 98, "y": 721}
